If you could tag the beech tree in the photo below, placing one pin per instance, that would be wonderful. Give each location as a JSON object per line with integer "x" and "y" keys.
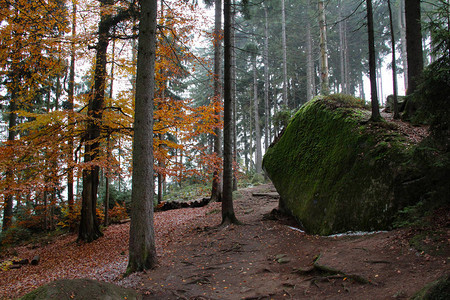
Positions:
{"x": 142, "y": 250}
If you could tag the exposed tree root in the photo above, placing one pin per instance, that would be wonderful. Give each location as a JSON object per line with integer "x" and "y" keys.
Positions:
{"x": 326, "y": 273}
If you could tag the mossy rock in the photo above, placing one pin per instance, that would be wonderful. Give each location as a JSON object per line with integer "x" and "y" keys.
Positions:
{"x": 336, "y": 171}
{"x": 81, "y": 289}
{"x": 436, "y": 290}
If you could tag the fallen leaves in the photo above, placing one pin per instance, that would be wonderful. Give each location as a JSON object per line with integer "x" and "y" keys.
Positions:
{"x": 104, "y": 259}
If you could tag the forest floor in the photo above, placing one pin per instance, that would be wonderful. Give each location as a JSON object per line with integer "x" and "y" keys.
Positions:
{"x": 265, "y": 258}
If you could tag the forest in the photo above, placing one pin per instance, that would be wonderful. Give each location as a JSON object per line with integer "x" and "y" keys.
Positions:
{"x": 113, "y": 111}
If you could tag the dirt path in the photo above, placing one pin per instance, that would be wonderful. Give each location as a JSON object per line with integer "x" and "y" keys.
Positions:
{"x": 261, "y": 260}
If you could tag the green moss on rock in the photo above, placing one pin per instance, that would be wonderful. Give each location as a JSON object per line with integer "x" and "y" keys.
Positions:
{"x": 335, "y": 171}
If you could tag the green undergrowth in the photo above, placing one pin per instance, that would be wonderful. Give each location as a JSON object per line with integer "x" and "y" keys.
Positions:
{"x": 335, "y": 170}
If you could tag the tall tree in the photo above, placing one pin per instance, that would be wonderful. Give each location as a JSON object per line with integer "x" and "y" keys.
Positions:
{"x": 89, "y": 229}
{"x": 216, "y": 190}
{"x": 372, "y": 63}
{"x": 414, "y": 49}
{"x": 325, "y": 89}
{"x": 142, "y": 250}
{"x": 394, "y": 63}
{"x": 284, "y": 46}
{"x": 228, "y": 215}
{"x": 258, "y": 154}
{"x": 310, "y": 84}
{"x": 266, "y": 79}
{"x": 70, "y": 96}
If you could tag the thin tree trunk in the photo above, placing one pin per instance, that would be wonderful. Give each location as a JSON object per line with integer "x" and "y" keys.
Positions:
{"x": 216, "y": 190}
{"x": 394, "y": 63}
{"x": 70, "y": 96}
{"x": 346, "y": 62}
{"x": 142, "y": 250}
{"x": 258, "y": 158}
{"x": 341, "y": 48}
{"x": 284, "y": 46}
{"x": 233, "y": 97}
{"x": 325, "y": 89}
{"x": 372, "y": 64}
{"x": 402, "y": 26}
{"x": 266, "y": 80}
{"x": 9, "y": 174}
{"x": 228, "y": 215}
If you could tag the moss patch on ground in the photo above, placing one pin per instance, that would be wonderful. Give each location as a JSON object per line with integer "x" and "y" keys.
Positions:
{"x": 336, "y": 171}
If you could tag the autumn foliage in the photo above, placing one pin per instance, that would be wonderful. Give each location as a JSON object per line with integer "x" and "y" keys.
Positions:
{"x": 47, "y": 138}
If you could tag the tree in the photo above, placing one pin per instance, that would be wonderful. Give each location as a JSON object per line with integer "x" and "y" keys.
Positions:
{"x": 414, "y": 49}
{"x": 89, "y": 229}
{"x": 394, "y": 63}
{"x": 283, "y": 35}
{"x": 372, "y": 64}
{"x": 325, "y": 89}
{"x": 142, "y": 237}
{"x": 216, "y": 183}
{"x": 228, "y": 215}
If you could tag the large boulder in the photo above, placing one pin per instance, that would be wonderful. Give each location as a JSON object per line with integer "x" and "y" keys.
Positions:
{"x": 336, "y": 171}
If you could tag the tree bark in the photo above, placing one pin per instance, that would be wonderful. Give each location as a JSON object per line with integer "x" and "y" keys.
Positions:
{"x": 372, "y": 64}
{"x": 233, "y": 97}
{"x": 402, "y": 26}
{"x": 266, "y": 80}
{"x": 142, "y": 250}
{"x": 284, "y": 46}
{"x": 258, "y": 158}
{"x": 216, "y": 190}
{"x": 325, "y": 90}
{"x": 70, "y": 96}
{"x": 414, "y": 49}
{"x": 89, "y": 225}
{"x": 394, "y": 63}
{"x": 9, "y": 174}
{"x": 228, "y": 215}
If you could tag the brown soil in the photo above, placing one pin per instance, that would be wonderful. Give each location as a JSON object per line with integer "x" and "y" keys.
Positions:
{"x": 269, "y": 259}
{"x": 265, "y": 258}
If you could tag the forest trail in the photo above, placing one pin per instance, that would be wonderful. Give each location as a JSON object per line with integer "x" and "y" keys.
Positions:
{"x": 265, "y": 258}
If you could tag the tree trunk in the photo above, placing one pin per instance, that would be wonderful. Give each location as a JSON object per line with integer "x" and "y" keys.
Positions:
{"x": 258, "y": 158}
{"x": 142, "y": 250}
{"x": 325, "y": 90}
{"x": 402, "y": 26}
{"x": 233, "y": 97}
{"x": 414, "y": 49}
{"x": 228, "y": 215}
{"x": 216, "y": 190}
{"x": 266, "y": 80}
{"x": 394, "y": 63}
{"x": 283, "y": 36}
{"x": 89, "y": 225}
{"x": 342, "y": 49}
{"x": 9, "y": 174}
{"x": 372, "y": 64}
{"x": 70, "y": 96}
